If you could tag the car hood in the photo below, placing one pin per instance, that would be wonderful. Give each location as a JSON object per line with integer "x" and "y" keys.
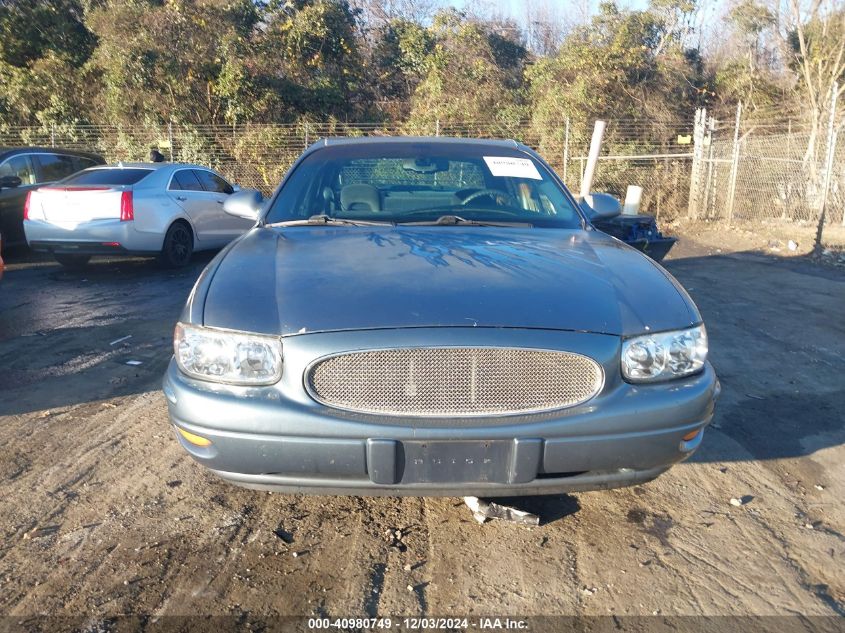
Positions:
{"x": 305, "y": 279}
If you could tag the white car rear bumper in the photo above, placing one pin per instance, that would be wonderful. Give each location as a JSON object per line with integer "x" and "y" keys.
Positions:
{"x": 92, "y": 238}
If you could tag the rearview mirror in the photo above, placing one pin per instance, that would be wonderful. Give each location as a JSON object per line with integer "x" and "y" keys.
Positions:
{"x": 600, "y": 205}
{"x": 425, "y": 165}
{"x": 10, "y": 182}
{"x": 246, "y": 203}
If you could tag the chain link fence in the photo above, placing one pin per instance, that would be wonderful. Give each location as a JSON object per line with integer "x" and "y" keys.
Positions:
{"x": 252, "y": 155}
{"x": 258, "y": 155}
{"x": 665, "y": 179}
{"x": 724, "y": 172}
{"x": 777, "y": 173}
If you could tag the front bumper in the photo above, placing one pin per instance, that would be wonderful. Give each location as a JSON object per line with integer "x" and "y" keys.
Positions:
{"x": 656, "y": 248}
{"x": 277, "y": 438}
{"x": 99, "y": 237}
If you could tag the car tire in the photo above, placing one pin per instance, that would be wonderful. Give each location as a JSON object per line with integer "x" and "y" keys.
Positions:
{"x": 178, "y": 246}
{"x": 72, "y": 261}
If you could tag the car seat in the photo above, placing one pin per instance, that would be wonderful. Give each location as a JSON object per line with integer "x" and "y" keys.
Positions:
{"x": 360, "y": 197}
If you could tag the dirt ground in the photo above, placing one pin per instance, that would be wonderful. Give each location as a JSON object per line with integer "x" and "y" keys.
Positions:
{"x": 781, "y": 238}
{"x": 102, "y": 513}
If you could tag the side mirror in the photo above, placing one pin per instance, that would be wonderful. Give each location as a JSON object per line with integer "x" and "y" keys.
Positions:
{"x": 10, "y": 182}
{"x": 246, "y": 203}
{"x": 600, "y": 205}
{"x": 236, "y": 188}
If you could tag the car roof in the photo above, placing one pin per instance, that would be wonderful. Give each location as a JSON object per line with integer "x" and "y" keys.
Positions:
{"x": 8, "y": 152}
{"x": 151, "y": 166}
{"x": 416, "y": 140}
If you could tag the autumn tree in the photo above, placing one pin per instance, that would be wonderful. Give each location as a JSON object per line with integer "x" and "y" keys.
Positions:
{"x": 750, "y": 75}
{"x": 624, "y": 64}
{"x": 161, "y": 61}
{"x": 398, "y": 60}
{"x": 308, "y": 54}
{"x": 146, "y": 62}
{"x": 43, "y": 46}
{"x": 471, "y": 74}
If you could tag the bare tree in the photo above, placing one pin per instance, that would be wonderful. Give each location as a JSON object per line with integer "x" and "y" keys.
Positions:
{"x": 375, "y": 13}
{"x": 751, "y": 19}
{"x": 678, "y": 19}
{"x": 545, "y": 26}
{"x": 814, "y": 44}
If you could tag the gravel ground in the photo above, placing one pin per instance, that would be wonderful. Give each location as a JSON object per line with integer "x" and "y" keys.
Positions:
{"x": 102, "y": 513}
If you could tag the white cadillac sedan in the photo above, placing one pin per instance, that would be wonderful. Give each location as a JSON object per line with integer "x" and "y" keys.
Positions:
{"x": 167, "y": 210}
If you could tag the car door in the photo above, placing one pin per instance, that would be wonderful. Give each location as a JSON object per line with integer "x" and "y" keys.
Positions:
{"x": 12, "y": 199}
{"x": 187, "y": 191}
{"x": 225, "y": 227}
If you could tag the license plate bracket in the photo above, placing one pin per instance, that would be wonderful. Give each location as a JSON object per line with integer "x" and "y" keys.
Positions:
{"x": 455, "y": 461}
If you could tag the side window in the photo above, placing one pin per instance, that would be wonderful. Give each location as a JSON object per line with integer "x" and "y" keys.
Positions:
{"x": 223, "y": 186}
{"x": 80, "y": 163}
{"x": 213, "y": 182}
{"x": 54, "y": 167}
{"x": 185, "y": 180}
{"x": 20, "y": 166}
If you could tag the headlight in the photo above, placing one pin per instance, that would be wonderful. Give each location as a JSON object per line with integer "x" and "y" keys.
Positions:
{"x": 237, "y": 358}
{"x": 663, "y": 356}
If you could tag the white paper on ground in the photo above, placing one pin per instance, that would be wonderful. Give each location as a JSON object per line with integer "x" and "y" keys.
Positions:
{"x": 508, "y": 167}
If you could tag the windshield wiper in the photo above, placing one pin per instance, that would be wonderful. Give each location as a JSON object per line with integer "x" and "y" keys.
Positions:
{"x": 456, "y": 220}
{"x": 323, "y": 219}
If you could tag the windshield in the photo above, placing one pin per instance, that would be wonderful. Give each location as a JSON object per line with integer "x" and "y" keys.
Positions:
{"x": 424, "y": 183}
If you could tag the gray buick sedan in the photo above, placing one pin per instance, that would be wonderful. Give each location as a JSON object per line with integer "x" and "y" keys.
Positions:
{"x": 420, "y": 316}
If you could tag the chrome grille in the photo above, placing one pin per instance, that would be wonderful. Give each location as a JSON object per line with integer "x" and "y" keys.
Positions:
{"x": 454, "y": 381}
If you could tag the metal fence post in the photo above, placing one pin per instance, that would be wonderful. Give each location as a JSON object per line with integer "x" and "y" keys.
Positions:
{"x": 734, "y": 164}
{"x": 834, "y": 139}
{"x": 828, "y": 164}
{"x": 831, "y": 153}
{"x": 566, "y": 152}
{"x": 437, "y": 127}
{"x": 708, "y": 179}
{"x": 170, "y": 138}
{"x": 592, "y": 158}
{"x": 695, "y": 169}
{"x": 52, "y": 135}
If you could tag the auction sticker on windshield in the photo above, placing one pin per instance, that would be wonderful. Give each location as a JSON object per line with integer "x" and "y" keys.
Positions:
{"x": 507, "y": 167}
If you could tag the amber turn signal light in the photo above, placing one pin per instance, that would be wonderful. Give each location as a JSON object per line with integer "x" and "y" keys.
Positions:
{"x": 196, "y": 440}
{"x": 689, "y": 436}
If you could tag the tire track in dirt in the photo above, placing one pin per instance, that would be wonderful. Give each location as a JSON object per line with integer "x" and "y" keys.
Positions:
{"x": 55, "y": 488}
{"x": 421, "y": 588}
{"x": 398, "y": 538}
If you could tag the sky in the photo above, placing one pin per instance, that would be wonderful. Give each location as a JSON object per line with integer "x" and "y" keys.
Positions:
{"x": 708, "y": 22}
{"x": 516, "y": 8}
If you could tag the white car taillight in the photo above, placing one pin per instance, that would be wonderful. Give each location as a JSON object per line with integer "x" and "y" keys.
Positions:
{"x": 127, "y": 207}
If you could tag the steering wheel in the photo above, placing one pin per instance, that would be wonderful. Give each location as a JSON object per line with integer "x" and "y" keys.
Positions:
{"x": 493, "y": 193}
